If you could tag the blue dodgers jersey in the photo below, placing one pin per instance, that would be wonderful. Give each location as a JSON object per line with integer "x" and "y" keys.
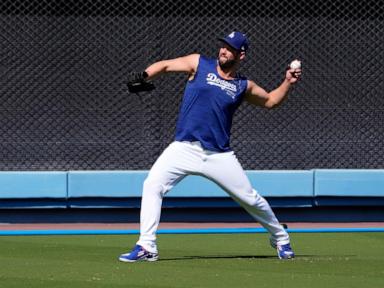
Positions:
{"x": 208, "y": 105}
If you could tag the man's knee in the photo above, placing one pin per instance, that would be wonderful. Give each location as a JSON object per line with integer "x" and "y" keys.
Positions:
{"x": 251, "y": 197}
{"x": 153, "y": 187}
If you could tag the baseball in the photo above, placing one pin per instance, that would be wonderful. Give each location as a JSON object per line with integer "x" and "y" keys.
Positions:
{"x": 295, "y": 64}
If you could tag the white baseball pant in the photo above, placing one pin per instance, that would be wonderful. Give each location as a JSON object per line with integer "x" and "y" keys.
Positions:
{"x": 180, "y": 159}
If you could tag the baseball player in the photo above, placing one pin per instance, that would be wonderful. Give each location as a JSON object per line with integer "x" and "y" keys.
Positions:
{"x": 213, "y": 92}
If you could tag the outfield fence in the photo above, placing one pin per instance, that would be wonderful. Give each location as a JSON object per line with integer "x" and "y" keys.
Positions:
{"x": 65, "y": 106}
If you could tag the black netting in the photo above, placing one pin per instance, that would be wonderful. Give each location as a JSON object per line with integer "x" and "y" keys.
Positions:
{"x": 63, "y": 65}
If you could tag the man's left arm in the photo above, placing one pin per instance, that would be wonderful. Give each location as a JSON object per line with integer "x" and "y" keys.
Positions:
{"x": 258, "y": 96}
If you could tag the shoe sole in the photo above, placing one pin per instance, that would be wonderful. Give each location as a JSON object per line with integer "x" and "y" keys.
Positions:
{"x": 285, "y": 258}
{"x": 153, "y": 259}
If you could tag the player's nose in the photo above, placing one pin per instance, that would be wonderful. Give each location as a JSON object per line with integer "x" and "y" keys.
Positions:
{"x": 223, "y": 51}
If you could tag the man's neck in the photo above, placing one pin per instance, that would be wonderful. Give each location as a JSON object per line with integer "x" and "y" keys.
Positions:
{"x": 228, "y": 74}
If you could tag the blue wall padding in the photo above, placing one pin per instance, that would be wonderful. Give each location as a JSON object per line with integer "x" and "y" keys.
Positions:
{"x": 129, "y": 184}
{"x": 281, "y": 183}
{"x": 105, "y": 183}
{"x": 16, "y": 185}
{"x": 196, "y": 186}
{"x": 77, "y": 184}
{"x": 361, "y": 183}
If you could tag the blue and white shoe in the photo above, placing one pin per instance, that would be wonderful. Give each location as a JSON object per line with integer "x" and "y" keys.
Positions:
{"x": 138, "y": 253}
{"x": 285, "y": 251}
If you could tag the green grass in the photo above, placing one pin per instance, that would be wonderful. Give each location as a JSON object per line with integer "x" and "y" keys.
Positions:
{"x": 217, "y": 260}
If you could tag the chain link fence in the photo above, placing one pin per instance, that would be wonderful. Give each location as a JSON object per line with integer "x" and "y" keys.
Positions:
{"x": 63, "y": 66}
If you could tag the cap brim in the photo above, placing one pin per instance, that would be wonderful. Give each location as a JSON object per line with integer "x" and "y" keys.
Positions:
{"x": 229, "y": 44}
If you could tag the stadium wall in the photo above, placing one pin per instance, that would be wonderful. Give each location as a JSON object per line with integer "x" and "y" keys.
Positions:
{"x": 67, "y": 121}
{"x": 319, "y": 195}
{"x": 114, "y": 189}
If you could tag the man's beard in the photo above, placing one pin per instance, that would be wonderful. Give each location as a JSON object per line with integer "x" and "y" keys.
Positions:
{"x": 227, "y": 65}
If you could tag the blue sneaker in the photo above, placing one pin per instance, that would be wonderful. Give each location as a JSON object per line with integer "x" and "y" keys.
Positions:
{"x": 285, "y": 251}
{"x": 138, "y": 253}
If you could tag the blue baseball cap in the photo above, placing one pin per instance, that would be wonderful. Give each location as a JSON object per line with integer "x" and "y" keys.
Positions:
{"x": 236, "y": 40}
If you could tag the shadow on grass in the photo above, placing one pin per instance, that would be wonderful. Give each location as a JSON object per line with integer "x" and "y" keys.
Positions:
{"x": 220, "y": 257}
{"x": 297, "y": 257}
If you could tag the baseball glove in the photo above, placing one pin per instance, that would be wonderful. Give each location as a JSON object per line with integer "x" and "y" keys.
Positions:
{"x": 137, "y": 83}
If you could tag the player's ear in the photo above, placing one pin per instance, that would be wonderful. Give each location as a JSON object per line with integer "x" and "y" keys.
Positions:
{"x": 242, "y": 55}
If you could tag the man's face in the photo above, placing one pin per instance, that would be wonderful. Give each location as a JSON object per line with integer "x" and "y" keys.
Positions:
{"x": 228, "y": 56}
